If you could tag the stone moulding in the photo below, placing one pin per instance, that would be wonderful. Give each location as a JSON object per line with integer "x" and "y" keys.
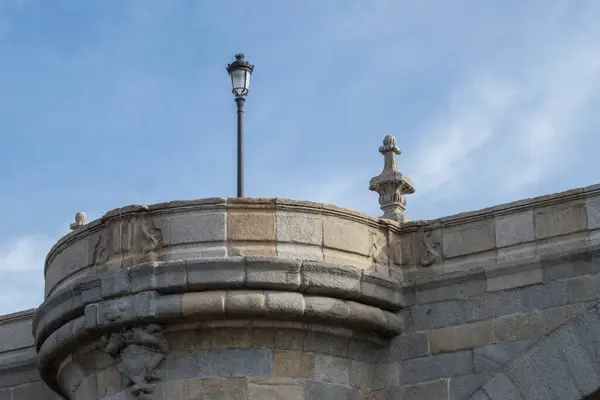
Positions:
{"x": 268, "y": 273}
{"x": 109, "y": 317}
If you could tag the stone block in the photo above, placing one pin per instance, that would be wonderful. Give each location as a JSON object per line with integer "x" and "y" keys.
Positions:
{"x": 189, "y": 340}
{"x": 246, "y": 362}
{"x": 436, "y": 315}
{"x": 225, "y": 389}
{"x": 524, "y": 275}
{"x": 493, "y": 304}
{"x": 380, "y": 289}
{"x": 500, "y": 387}
{"x": 285, "y": 305}
{"x": 326, "y": 309}
{"x": 245, "y": 303}
{"x": 16, "y": 335}
{"x": 299, "y": 228}
{"x": 226, "y": 338}
{"x": 292, "y": 364}
{"x": 592, "y": 206}
{"x": 215, "y": 273}
{"x": 462, "y": 387}
{"x": 540, "y": 297}
{"x": 438, "y": 366}
{"x": 275, "y": 390}
{"x": 190, "y": 389}
{"x": 197, "y": 227}
{"x": 297, "y": 251}
{"x": 462, "y": 337}
{"x": 364, "y": 317}
{"x": 587, "y": 328}
{"x": 115, "y": 283}
{"x": 346, "y": 236}
{"x": 34, "y": 390}
{"x": 472, "y": 237}
{"x": 209, "y": 304}
{"x": 332, "y": 369}
{"x": 520, "y": 254}
{"x": 361, "y": 374}
{"x": 435, "y": 390}
{"x": 411, "y": 345}
{"x": 479, "y": 395}
{"x": 495, "y": 356}
{"x": 380, "y": 248}
{"x": 560, "y": 219}
{"x": 263, "y": 273}
{"x": 583, "y": 288}
{"x": 322, "y": 390}
{"x": 289, "y": 339}
{"x": 386, "y": 375}
{"x": 455, "y": 291}
{"x": 514, "y": 327}
{"x": 577, "y": 359}
{"x": 337, "y": 257}
{"x": 183, "y": 365}
{"x": 6, "y": 394}
{"x": 528, "y": 378}
{"x": 515, "y": 228}
{"x": 367, "y": 351}
{"x": 251, "y": 226}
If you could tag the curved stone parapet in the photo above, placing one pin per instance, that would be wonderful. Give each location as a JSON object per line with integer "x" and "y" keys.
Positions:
{"x": 229, "y": 276}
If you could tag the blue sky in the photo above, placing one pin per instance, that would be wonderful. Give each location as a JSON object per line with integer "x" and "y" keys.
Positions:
{"x": 108, "y": 103}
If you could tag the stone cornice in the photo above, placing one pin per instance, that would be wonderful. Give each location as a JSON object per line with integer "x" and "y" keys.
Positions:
{"x": 217, "y": 204}
{"x": 504, "y": 209}
{"x": 17, "y": 316}
{"x": 265, "y": 273}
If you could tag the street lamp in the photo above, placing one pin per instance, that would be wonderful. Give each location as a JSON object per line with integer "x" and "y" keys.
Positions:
{"x": 239, "y": 72}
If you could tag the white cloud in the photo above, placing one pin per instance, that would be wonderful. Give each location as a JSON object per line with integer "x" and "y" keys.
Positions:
{"x": 507, "y": 130}
{"x": 22, "y": 273}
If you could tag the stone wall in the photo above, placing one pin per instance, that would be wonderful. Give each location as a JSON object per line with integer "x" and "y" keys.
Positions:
{"x": 273, "y": 298}
{"x": 19, "y": 376}
{"x": 503, "y": 279}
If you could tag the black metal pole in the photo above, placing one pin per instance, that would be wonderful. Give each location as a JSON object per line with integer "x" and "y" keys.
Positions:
{"x": 240, "y": 143}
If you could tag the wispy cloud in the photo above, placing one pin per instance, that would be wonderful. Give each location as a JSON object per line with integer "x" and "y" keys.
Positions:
{"x": 22, "y": 272}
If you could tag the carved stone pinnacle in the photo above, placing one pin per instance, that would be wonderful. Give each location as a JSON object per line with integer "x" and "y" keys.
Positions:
{"x": 80, "y": 220}
{"x": 391, "y": 184}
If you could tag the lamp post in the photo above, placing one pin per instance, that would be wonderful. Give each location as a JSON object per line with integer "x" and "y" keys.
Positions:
{"x": 239, "y": 72}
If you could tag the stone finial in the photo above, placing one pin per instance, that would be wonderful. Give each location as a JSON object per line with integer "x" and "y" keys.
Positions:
{"x": 391, "y": 184}
{"x": 80, "y": 220}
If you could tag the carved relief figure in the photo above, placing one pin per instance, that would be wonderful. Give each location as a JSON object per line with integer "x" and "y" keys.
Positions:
{"x": 429, "y": 248}
{"x": 101, "y": 249}
{"x": 152, "y": 236}
{"x": 138, "y": 352}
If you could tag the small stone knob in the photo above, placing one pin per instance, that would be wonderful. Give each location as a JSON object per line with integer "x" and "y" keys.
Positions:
{"x": 80, "y": 220}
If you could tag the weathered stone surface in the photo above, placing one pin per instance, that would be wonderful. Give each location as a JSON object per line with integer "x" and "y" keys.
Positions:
{"x": 456, "y": 291}
{"x": 436, "y": 315}
{"x": 438, "y": 366}
{"x": 408, "y": 346}
{"x": 322, "y": 390}
{"x": 225, "y": 389}
{"x": 361, "y": 374}
{"x": 197, "y": 227}
{"x": 435, "y": 390}
{"x": 386, "y": 375}
{"x": 332, "y": 370}
{"x": 516, "y": 228}
{"x": 296, "y": 227}
{"x": 329, "y": 279}
{"x": 495, "y": 356}
{"x": 500, "y": 387}
{"x": 346, "y": 235}
{"x": 469, "y": 238}
{"x": 583, "y": 288}
{"x": 592, "y": 206}
{"x": 462, "y": 387}
{"x": 524, "y": 275}
{"x": 275, "y": 389}
{"x": 263, "y": 273}
{"x": 205, "y": 304}
{"x": 560, "y": 219}
{"x": 462, "y": 337}
{"x": 292, "y": 364}
{"x": 215, "y": 273}
{"x": 183, "y": 389}
{"x": 251, "y": 226}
